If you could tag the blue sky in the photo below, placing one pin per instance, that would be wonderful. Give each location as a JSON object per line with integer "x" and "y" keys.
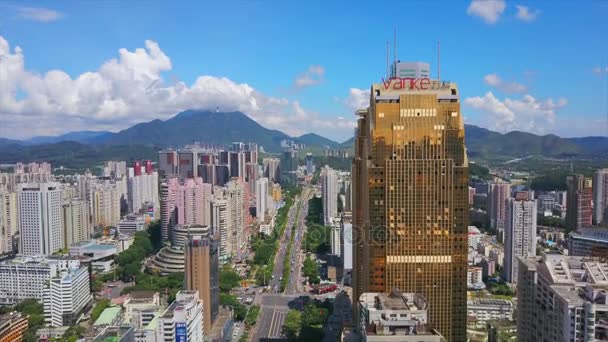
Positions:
{"x": 297, "y": 66}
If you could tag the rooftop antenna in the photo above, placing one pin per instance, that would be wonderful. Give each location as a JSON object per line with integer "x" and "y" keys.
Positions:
{"x": 387, "y": 62}
{"x": 438, "y": 60}
{"x": 395, "y": 45}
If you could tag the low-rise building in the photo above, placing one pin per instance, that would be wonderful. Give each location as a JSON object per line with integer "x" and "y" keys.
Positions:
{"x": 475, "y": 278}
{"x": 182, "y": 320}
{"x": 131, "y": 224}
{"x": 100, "y": 255}
{"x": 141, "y": 307}
{"x": 588, "y": 242}
{"x": 489, "y": 309}
{"x": 111, "y": 316}
{"x": 26, "y": 277}
{"x": 395, "y": 316}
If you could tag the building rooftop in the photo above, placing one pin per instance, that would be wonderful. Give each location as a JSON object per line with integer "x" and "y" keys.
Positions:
{"x": 108, "y": 316}
{"x": 142, "y": 294}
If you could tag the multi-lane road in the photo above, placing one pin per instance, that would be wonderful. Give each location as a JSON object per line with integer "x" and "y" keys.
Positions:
{"x": 274, "y": 304}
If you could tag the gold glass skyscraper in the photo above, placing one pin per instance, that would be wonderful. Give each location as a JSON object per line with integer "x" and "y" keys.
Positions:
{"x": 410, "y": 188}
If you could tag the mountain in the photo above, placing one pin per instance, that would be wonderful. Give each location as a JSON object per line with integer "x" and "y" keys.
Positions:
{"x": 79, "y": 136}
{"x": 312, "y": 139}
{"x": 348, "y": 143}
{"x": 196, "y": 126}
{"x": 6, "y": 142}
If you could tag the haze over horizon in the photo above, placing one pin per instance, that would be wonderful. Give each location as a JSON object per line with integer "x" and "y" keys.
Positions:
{"x": 66, "y": 70}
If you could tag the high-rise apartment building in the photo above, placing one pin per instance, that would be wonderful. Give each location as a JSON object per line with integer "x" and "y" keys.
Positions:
{"x": 600, "y": 196}
{"x": 578, "y": 208}
{"x": 188, "y": 203}
{"x": 220, "y": 223}
{"x": 11, "y": 214}
{"x": 6, "y": 216}
{"x": 261, "y": 198}
{"x": 104, "y": 201}
{"x": 410, "y": 183}
{"x": 202, "y": 274}
{"x": 271, "y": 169}
{"x": 329, "y": 191}
{"x": 40, "y": 218}
{"x": 168, "y": 163}
{"x": 235, "y": 194}
{"x": 142, "y": 189}
{"x": 75, "y": 221}
{"x": 520, "y": 234}
{"x": 310, "y": 166}
{"x": 562, "y": 298}
{"x": 499, "y": 194}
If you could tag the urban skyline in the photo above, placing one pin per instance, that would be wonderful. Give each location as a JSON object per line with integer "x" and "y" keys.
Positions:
{"x": 319, "y": 90}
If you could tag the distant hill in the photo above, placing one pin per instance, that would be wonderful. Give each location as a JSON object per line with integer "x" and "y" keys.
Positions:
{"x": 312, "y": 139}
{"x": 80, "y": 136}
{"x": 197, "y": 126}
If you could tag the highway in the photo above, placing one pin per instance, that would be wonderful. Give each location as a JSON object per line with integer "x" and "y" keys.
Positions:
{"x": 274, "y": 304}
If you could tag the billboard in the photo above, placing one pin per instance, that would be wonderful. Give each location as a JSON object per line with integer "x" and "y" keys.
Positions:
{"x": 181, "y": 332}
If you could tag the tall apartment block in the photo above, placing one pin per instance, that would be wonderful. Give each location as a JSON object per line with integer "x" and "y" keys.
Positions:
{"x": 600, "y": 196}
{"x": 520, "y": 233}
{"x": 578, "y": 204}
{"x": 329, "y": 191}
{"x": 499, "y": 194}
{"x": 410, "y": 195}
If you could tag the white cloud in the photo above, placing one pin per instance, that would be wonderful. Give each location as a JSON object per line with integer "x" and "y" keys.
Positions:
{"x": 526, "y": 113}
{"x": 314, "y": 75}
{"x": 600, "y": 70}
{"x": 130, "y": 89}
{"x": 43, "y": 15}
{"x": 495, "y": 81}
{"x": 489, "y": 10}
{"x": 524, "y": 13}
{"x": 357, "y": 99}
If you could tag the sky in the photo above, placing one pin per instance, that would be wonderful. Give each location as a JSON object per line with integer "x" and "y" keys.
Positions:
{"x": 300, "y": 67}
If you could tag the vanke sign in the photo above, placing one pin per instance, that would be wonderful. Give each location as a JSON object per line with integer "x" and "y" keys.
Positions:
{"x": 410, "y": 83}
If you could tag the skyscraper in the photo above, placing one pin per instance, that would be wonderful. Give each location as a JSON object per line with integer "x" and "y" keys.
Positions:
{"x": 410, "y": 183}
{"x": 289, "y": 167}
{"x": 202, "y": 274}
{"x": 600, "y": 196}
{"x": 499, "y": 194}
{"x": 220, "y": 223}
{"x": 6, "y": 234}
{"x": 329, "y": 191}
{"x": 578, "y": 204}
{"x": 235, "y": 193}
{"x": 41, "y": 218}
{"x": 271, "y": 169}
{"x": 261, "y": 198}
{"x": 520, "y": 233}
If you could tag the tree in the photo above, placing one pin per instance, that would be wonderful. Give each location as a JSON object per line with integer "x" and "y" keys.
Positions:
{"x": 98, "y": 309}
{"x": 239, "y": 309}
{"x": 292, "y": 325}
{"x": 229, "y": 279}
{"x": 311, "y": 270}
{"x": 252, "y": 315}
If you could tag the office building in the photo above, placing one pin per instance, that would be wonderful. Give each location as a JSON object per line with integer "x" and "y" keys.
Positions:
{"x": 66, "y": 296}
{"x": 600, "y": 196}
{"x": 115, "y": 169}
{"x": 578, "y": 209}
{"x": 271, "y": 169}
{"x": 40, "y": 218}
{"x": 202, "y": 274}
{"x": 329, "y": 191}
{"x": 168, "y": 163}
{"x": 131, "y": 224}
{"x": 289, "y": 167}
{"x": 520, "y": 234}
{"x": 75, "y": 221}
{"x": 28, "y": 277}
{"x": 261, "y": 198}
{"x": 182, "y": 320}
{"x": 410, "y": 206}
{"x": 395, "y": 316}
{"x": 335, "y": 225}
{"x": 562, "y": 298}
{"x": 499, "y": 194}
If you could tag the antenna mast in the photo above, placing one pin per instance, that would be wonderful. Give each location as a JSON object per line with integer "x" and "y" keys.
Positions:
{"x": 438, "y": 60}
{"x": 387, "y": 63}
{"x": 394, "y": 45}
